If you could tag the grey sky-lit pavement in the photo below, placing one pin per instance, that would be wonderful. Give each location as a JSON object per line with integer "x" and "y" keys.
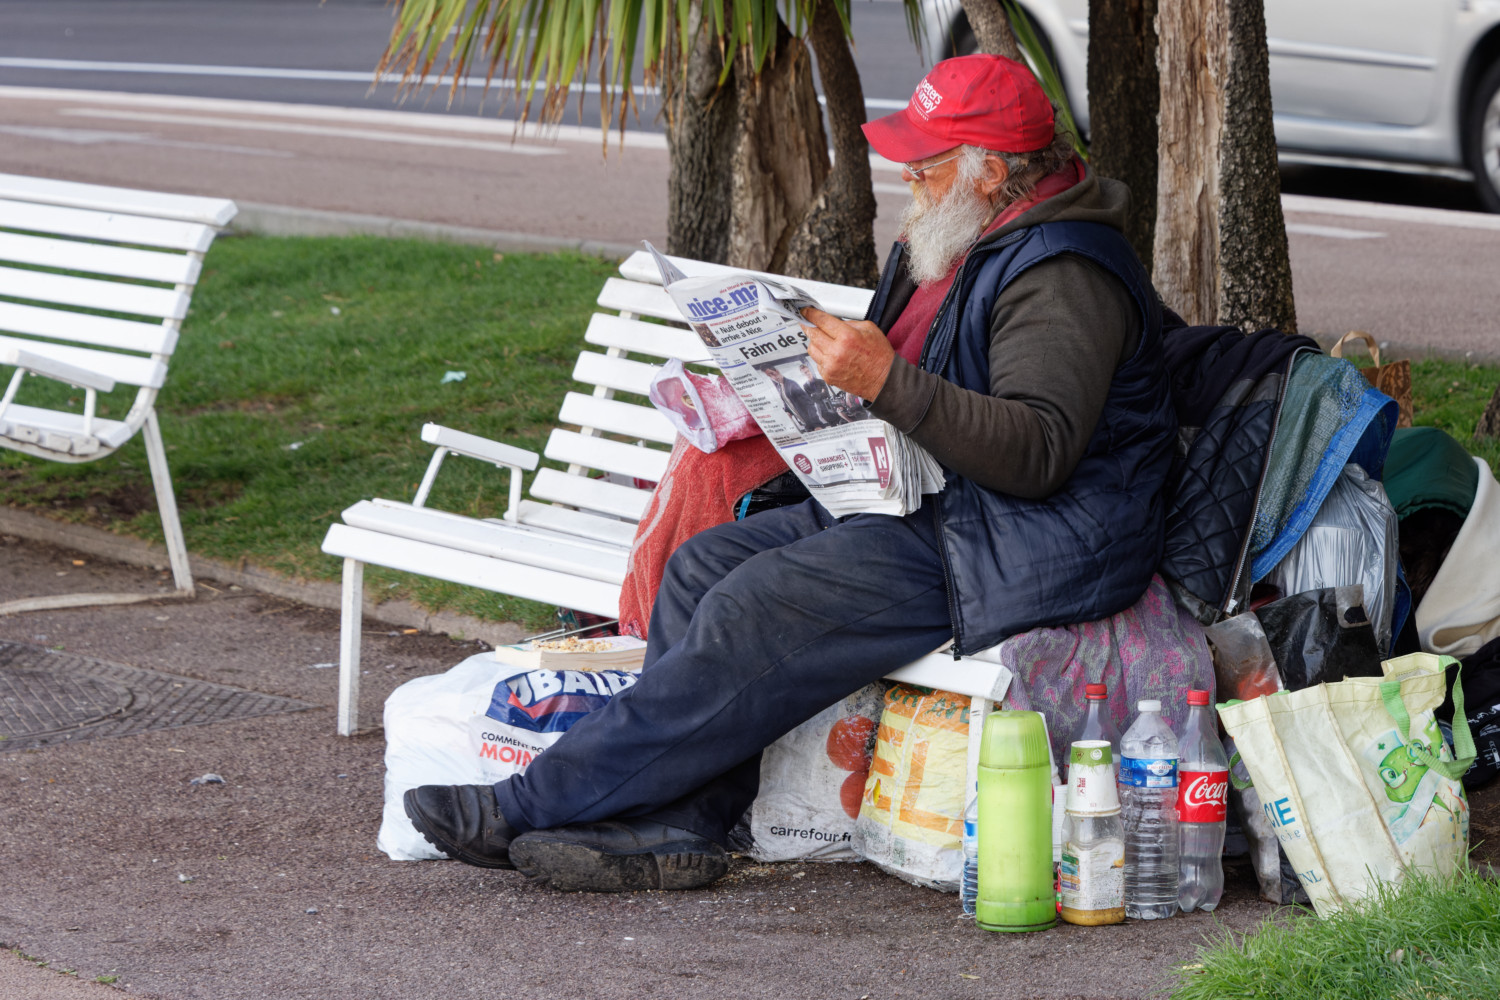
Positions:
{"x": 96, "y": 838}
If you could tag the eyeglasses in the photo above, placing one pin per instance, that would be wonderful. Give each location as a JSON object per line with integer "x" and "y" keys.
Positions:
{"x": 917, "y": 172}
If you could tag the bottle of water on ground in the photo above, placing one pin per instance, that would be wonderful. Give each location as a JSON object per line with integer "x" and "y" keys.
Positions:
{"x": 968, "y": 889}
{"x": 1098, "y": 724}
{"x": 1202, "y": 801}
{"x": 1148, "y": 807}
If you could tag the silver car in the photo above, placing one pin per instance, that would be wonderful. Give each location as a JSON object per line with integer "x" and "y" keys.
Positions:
{"x": 1408, "y": 85}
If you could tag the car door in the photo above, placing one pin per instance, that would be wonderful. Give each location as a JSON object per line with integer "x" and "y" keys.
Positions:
{"x": 1366, "y": 61}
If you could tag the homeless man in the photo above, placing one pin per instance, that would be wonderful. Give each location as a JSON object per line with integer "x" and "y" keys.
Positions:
{"x": 1021, "y": 346}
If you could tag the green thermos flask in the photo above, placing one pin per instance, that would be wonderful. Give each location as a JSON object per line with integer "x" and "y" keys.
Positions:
{"x": 1015, "y": 825}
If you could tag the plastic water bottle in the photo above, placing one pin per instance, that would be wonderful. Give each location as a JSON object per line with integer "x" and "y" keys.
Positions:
{"x": 1202, "y": 804}
{"x": 1098, "y": 724}
{"x": 969, "y": 889}
{"x": 1148, "y": 807}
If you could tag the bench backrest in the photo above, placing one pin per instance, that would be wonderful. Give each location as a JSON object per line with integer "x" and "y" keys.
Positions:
{"x": 626, "y": 438}
{"x": 133, "y": 253}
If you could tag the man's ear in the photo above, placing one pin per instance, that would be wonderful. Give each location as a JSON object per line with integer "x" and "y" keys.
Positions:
{"x": 994, "y": 175}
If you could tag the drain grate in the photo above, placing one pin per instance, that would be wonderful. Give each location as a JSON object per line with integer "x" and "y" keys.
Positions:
{"x": 49, "y": 697}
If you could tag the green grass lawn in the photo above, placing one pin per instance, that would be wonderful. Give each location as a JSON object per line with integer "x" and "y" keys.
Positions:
{"x": 308, "y": 366}
{"x": 302, "y": 380}
{"x": 1429, "y": 938}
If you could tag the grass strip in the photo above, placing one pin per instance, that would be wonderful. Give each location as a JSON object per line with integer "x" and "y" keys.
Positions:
{"x": 304, "y": 374}
{"x": 308, "y": 366}
{"x": 1429, "y": 938}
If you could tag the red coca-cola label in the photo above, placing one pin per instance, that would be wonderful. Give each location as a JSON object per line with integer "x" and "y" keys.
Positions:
{"x": 1202, "y": 796}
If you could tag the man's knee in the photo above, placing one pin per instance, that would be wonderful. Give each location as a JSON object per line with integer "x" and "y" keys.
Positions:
{"x": 701, "y": 561}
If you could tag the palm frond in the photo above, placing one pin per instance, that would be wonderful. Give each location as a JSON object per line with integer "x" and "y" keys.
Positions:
{"x": 543, "y": 48}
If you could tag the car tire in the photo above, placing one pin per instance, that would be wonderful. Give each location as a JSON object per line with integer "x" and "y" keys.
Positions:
{"x": 1482, "y": 138}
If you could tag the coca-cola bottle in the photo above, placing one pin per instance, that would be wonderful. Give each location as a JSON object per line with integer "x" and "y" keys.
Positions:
{"x": 1202, "y": 799}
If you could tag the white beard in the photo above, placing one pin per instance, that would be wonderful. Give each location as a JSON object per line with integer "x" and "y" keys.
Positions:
{"x": 938, "y": 234}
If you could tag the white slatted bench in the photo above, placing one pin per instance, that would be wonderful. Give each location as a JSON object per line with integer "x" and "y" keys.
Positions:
{"x": 568, "y": 544}
{"x": 136, "y": 253}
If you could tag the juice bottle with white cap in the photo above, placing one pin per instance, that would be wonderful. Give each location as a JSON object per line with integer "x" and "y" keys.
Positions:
{"x": 1092, "y": 874}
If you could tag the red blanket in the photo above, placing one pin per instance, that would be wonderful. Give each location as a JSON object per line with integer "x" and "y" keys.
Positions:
{"x": 697, "y": 491}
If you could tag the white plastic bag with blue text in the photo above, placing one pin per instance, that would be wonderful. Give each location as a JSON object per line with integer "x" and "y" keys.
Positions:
{"x": 479, "y": 723}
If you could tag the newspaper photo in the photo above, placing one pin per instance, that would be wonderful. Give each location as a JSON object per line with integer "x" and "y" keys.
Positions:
{"x": 850, "y": 461}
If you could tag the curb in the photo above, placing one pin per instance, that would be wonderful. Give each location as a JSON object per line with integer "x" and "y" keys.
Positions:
{"x": 139, "y": 552}
{"x": 283, "y": 220}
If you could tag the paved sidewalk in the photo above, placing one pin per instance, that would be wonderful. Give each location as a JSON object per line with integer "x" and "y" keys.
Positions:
{"x": 270, "y": 885}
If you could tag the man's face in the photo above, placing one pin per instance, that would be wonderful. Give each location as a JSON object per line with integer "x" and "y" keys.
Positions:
{"x": 947, "y": 213}
{"x": 932, "y": 184}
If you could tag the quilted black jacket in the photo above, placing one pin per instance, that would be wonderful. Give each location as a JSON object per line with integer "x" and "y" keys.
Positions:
{"x": 1227, "y": 387}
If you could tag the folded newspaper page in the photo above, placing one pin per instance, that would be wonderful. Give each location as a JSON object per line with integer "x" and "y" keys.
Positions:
{"x": 850, "y": 461}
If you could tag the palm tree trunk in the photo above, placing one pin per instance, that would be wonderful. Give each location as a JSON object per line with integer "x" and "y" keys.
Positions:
{"x": 700, "y": 137}
{"x": 992, "y": 28}
{"x": 780, "y": 156}
{"x": 1124, "y": 96}
{"x": 836, "y": 238}
{"x": 1221, "y": 250}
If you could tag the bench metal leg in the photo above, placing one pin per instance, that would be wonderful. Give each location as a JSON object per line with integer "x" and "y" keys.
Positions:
{"x": 171, "y": 526}
{"x": 351, "y": 624}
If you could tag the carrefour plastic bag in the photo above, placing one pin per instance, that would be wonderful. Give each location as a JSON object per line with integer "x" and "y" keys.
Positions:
{"x": 812, "y": 782}
{"x": 479, "y": 723}
{"x": 911, "y": 820}
{"x": 1352, "y": 540}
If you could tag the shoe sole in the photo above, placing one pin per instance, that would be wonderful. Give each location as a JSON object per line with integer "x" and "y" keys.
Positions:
{"x": 408, "y": 803}
{"x": 573, "y": 867}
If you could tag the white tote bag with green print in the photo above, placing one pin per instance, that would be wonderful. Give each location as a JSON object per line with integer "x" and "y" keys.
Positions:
{"x": 1356, "y": 779}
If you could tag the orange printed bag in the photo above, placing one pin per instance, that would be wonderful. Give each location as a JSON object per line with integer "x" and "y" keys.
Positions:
{"x": 911, "y": 817}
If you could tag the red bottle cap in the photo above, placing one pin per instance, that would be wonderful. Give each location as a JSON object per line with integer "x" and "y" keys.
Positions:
{"x": 1095, "y": 692}
{"x": 1197, "y": 697}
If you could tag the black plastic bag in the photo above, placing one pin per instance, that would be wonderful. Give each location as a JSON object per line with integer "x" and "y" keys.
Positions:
{"x": 1320, "y": 637}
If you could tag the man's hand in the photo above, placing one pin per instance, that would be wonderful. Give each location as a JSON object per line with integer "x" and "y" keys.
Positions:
{"x": 854, "y": 357}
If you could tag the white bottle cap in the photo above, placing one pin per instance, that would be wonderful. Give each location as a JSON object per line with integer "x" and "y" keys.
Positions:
{"x": 1148, "y": 705}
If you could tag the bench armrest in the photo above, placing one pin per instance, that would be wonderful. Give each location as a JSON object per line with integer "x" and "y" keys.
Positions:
{"x": 61, "y": 371}
{"x": 505, "y": 456}
{"x": 483, "y": 449}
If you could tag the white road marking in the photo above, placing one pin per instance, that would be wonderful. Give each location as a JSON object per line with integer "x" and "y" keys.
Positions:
{"x": 1333, "y": 232}
{"x": 94, "y": 137}
{"x": 469, "y": 124}
{"x": 297, "y": 128}
{"x": 326, "y": 75}
{"x": 1307, "y": 204}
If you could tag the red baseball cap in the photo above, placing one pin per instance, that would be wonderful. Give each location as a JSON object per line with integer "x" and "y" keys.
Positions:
{"x": 979, "y": 100}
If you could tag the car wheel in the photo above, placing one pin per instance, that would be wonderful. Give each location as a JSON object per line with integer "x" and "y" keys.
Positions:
{"x": 1483, "y": 138}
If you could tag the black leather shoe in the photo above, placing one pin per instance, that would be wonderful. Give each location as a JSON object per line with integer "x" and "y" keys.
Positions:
{"x": 618, "y": 856}
{"x": 462, "y": 821}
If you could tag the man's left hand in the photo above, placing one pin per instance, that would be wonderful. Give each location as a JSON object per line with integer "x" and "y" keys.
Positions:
{"x": 852, "y": 356}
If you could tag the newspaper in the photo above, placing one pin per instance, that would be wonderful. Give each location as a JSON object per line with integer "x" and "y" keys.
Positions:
{"x": 850, "y": 461}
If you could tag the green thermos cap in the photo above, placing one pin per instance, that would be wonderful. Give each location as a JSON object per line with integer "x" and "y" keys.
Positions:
{"x": 1014, "y": 740}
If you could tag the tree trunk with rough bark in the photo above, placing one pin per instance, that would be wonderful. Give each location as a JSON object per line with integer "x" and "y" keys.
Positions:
{"x": 700, "y": 138}
{"x": 836, "y": 238}
{"x": 1124, "y": 95}
{"x": 1220, "y": 245}
{"x": 750, "y": 183}
{"x": 780, "y": 157}
{"x": 992, "y": 28}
